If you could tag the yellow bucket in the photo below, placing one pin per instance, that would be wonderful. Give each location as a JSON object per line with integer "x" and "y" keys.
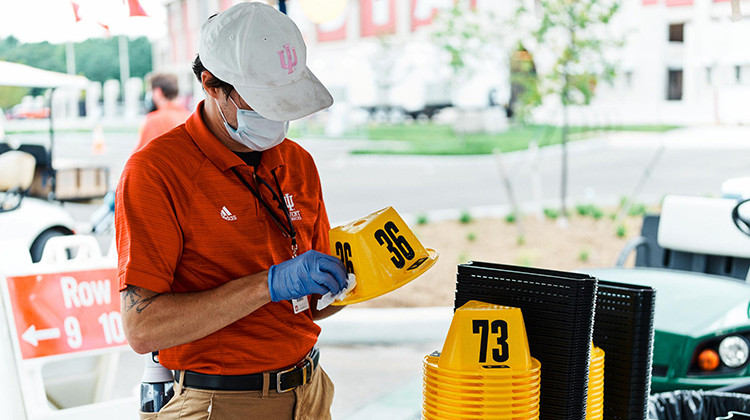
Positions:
{"x": 595, "y": 397}
{"x": 382, "y": 252}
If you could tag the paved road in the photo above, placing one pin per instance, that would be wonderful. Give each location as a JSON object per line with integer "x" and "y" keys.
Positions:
{"x": 694, "y": 161}
{"x": 603, "y": 170}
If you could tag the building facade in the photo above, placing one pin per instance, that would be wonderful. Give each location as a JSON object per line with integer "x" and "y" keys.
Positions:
{"x": 682, "y": 62}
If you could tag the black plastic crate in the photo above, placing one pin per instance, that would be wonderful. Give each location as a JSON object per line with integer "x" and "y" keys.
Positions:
{"x": 558, "y": 311}
{"x": 624, "y": 329}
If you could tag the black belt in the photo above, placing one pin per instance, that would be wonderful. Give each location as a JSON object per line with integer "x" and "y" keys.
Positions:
{"x": 285, "y": 379}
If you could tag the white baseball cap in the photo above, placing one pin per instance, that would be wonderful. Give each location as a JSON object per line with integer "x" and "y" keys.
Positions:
{"x": 260, "y": 51}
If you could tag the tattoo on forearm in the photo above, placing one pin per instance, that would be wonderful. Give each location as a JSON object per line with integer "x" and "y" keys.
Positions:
{"x": 132, "y": 298}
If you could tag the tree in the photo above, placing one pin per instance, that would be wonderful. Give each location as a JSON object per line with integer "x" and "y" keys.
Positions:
{"x": 96, "y": 58}
{"x": 469, "y": 39}
{"x": 458, "y": 32}
{"x": 574, "y": 34}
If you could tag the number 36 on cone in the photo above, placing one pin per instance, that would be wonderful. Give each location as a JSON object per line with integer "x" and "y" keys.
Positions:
{"x": 382, "y": 252}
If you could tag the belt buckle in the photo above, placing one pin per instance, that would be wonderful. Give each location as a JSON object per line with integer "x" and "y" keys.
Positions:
{"x": 279, "y": 374}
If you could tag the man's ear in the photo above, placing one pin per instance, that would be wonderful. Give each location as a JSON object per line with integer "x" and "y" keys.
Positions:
{"x": 214, "y": 92}
{"x": 157, "y": 93}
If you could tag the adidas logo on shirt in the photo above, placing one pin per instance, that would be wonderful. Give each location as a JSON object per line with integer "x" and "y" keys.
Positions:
{"x": 227, "y": 215}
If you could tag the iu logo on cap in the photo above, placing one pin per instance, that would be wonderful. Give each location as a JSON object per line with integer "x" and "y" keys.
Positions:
{"x": 285, "y": 56}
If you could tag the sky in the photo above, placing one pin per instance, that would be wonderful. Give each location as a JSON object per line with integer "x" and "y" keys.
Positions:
{"x": 53, "y": 20}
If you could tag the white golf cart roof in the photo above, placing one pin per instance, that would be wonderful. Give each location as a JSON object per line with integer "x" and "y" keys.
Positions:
{"x": 14, "y": 74}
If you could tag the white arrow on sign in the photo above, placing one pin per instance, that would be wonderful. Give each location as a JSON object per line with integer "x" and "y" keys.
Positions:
{"x": 32, "y": 335}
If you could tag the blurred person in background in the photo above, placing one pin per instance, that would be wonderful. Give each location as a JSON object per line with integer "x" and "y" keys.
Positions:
{"x": 167, "y": 113}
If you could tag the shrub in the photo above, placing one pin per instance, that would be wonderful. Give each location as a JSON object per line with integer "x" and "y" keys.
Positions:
{"x": 511, "y": 218}
{"x": 637, "y": 209}
{"x": 422, "y": 219}
{"x": 551, "y": 213}
{"x": 621, "y": 231}
{"x": 583, "y": 255}
{"x": 471, "y": 237}
{"x": 465, "y": 217}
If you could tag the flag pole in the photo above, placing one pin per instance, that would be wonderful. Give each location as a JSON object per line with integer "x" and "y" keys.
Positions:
{"x": 124, "y": 62}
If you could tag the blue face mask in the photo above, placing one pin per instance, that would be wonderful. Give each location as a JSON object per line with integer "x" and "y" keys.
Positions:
{"x": 254, "y": 131}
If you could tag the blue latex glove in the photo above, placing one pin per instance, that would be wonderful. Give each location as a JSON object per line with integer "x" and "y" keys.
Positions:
{"x": 311, "y": 272}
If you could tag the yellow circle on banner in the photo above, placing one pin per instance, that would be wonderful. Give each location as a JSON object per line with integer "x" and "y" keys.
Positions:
{"x": 320, "y": 11}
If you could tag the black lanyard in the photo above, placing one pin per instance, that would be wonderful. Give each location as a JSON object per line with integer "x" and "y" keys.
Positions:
{"x": 286, "y": 226}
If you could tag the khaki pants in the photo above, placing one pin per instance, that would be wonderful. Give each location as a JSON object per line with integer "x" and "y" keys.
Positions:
{"x": 311, "y": 401}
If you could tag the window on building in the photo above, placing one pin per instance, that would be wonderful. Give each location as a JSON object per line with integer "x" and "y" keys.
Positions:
{"x": 674, "y": 85}
{"x": 677, "y": 32}
{"x": 629, "y": 78}
{"x": 738, "y": 74}
{"x": 709, "y": 75}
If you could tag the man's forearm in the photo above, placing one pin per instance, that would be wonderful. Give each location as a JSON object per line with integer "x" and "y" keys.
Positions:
{"x": 154, "y": 321}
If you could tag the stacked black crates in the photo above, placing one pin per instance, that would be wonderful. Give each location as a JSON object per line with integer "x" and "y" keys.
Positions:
{"x": 558, "y": 309}
{"x": 624, "y": 329}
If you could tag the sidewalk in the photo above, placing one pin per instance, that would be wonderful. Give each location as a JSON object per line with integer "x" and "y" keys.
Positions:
{"x": 374, "y": 357}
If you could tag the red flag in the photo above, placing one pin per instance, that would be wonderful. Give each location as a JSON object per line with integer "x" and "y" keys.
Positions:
{"x": 75, "y": 11}
{"x": 106, "y": 28}
{"x": 135, "y": 8}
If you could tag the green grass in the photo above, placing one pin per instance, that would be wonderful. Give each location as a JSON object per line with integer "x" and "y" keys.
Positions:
{"x": 465, "y": 217}
{"x": 439, "y": 139}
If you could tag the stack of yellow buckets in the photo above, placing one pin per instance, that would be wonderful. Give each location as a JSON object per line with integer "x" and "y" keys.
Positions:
{"x": 484, "y": 370}
{"x": 595, "y": 399}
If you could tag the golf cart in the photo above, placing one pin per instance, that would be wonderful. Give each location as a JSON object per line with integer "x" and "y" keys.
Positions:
{"x": 696, "y": 254}
{"x": 32, "y": 190}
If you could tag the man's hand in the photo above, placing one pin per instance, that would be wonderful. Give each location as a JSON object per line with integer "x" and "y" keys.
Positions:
{"x": 311, "y": 272}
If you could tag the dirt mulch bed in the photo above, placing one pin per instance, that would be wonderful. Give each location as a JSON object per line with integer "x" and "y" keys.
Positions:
{"x": 585, "y": 243}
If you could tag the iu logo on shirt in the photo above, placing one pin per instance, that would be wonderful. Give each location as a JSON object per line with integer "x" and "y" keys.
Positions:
{"x": 294, "y": 214}
{"x": 227, "y": 215}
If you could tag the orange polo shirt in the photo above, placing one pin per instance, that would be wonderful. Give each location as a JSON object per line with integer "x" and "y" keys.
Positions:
{"x": 185, "y": 223}
{"x": 160, "y": 121}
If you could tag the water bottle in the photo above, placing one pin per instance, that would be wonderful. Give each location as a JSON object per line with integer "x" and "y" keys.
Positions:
{"x": 156, "y": 385}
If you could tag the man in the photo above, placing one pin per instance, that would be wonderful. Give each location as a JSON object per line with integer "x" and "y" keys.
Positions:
{"x": 209, "y": 219}
{"x": 168, "y": 113}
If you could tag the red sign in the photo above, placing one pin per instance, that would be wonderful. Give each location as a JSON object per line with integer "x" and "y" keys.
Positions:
{"x": 334, "y": 30}
{"x": 423, "y": 11}
{"x": 63, "y": 313}
{"x": 378, "y": 17}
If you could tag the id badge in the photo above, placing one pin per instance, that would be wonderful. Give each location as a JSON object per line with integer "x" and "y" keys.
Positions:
{"x": 300, "y": 305}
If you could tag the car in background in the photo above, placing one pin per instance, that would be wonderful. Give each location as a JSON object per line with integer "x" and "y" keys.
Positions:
{"x": 696, "y": 254}
{"x": 32, "y": 191}
{"x": 27, "y": 220}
